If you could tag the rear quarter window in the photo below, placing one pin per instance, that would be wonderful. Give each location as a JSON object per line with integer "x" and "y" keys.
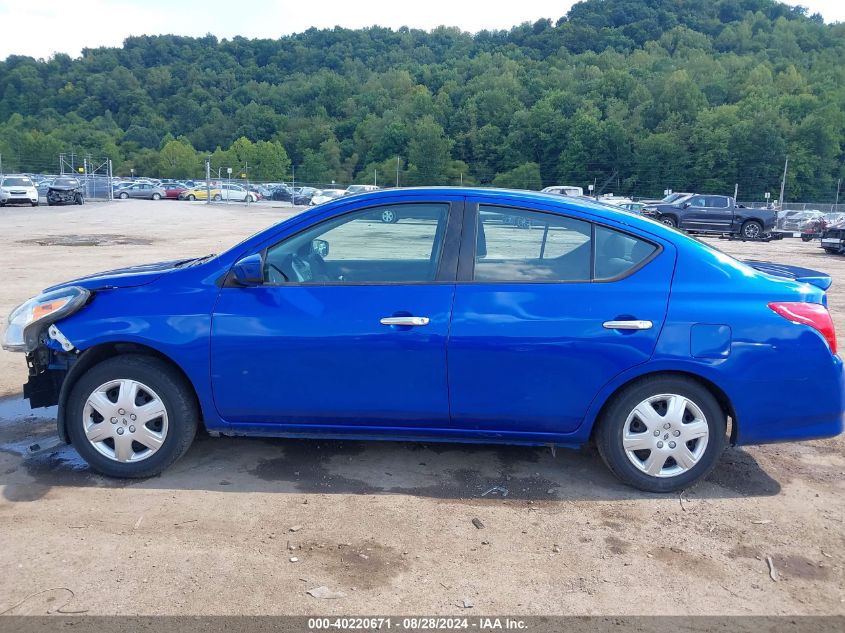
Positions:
{"x": 617, "y": 253}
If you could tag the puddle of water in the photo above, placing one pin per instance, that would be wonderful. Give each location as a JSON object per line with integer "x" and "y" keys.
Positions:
{"x": 86, "y": 240}
{"x": 15, "y": 408}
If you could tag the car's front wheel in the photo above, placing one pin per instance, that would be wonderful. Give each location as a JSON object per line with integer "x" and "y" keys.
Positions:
{"x": 752, "y": 230}
{"x": 131, "y": 416}
{"x": 124, "y": 196}
{"x": 669, "y": 220}
{"x": 156, "y": 196}
{"x": 389, "y": 216}
{"x": 192, "y": 197}
{"x": 217, "y": 197}
{"x": 662, "y": 434}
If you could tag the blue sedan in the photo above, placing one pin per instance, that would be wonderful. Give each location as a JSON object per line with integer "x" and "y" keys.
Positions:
{"x": 482, "y": 315}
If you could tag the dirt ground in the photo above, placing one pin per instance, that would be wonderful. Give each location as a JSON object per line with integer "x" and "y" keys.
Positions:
{"x": 248, "y": 526}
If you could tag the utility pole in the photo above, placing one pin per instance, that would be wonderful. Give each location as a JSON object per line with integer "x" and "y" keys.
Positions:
{"x": 838, "y": 184}
{"x": 246, "y": 174}
{"x": 397, "y": 172}
{"x": 1, "y": 165}
{"x": 375, "y": 177}
{"x": 208, "y": 180}
{"x": 783, "y": 182}
{"x": 736, "y": 191}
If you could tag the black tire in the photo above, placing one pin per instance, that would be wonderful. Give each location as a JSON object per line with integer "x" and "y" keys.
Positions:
{"x": 669, "y": 220}
{"x": 80, "y": 200}
{"x": 610, "y": 429}
{"x": 123, "y": 195}
{"x": 832, "y": 251}
{"x": 156, "y": 196}
{"x": 176, "y": 394}
{"x": 34, "y": 204}
{"x": 806, "y": 238}
{"x": 751, "y": 230}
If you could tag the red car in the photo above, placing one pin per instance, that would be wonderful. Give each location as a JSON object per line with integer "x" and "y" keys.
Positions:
{"x": 172, "y": 191}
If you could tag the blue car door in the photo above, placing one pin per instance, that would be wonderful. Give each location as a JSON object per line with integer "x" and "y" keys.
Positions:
{"x": 349, "y": 327}
{"x": 547, "y": 310}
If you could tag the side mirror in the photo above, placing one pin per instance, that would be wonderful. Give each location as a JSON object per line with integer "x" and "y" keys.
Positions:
{"x": 686, "y": 205}
{"x": 249, "y": 270}
{"x": 320, "y": 247}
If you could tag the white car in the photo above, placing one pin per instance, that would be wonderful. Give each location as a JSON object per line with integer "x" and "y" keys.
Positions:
{"x": 353, "y": 189}
{"x": 236, "y": 193}
{"x": 18, "y": 190}
{"x": 325, "y": 195}
{"x": 565, "y": 190}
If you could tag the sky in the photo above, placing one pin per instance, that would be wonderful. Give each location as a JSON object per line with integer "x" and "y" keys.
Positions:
{"x": 40, "y": 28}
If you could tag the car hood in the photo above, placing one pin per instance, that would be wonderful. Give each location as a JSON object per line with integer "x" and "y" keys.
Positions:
{"x": 806, "y": 275}
{"x": 128, "y": 277}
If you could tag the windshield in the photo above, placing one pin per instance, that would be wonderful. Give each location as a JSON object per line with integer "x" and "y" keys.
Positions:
{"x": 17, "y": 182}
{"x": 66, "y": 182}
{"x": 674, "y": 197}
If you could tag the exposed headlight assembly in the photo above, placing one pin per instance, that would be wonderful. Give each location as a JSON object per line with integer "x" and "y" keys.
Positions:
{"x": 28, "y": 319}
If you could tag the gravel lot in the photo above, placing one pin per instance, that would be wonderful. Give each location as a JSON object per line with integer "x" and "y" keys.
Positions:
{"x": 388, "y": 524}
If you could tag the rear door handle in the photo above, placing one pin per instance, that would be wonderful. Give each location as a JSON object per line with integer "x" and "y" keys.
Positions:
{"x": 628, "y": 325}
{"x": 404, "y": 320}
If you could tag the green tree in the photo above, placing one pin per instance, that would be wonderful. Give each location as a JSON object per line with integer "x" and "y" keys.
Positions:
{"x": 526, "y": 176}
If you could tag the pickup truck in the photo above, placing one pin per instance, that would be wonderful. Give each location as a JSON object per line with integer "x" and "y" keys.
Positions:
{"x": 714, "y": 214}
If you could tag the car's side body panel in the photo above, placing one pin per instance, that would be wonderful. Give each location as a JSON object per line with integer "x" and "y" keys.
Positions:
{"x": 766, "y": 369}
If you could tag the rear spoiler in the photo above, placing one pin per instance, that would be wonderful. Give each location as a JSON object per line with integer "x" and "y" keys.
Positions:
{"x": 806, "y": 275}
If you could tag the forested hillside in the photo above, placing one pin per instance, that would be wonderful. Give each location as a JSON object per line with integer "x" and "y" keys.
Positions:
{"x": 636, "y": 95}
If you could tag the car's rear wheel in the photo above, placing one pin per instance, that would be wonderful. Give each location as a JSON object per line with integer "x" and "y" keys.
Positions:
{"x": 806, "y": 238}
{"x": 832, "y": 251}
{"x": 217, "y": 197}
{"x": 662, "y": 434}
{"x": 124, "y": 196}
{"x": 389, "y": 216}
{"x": 751, "y": 230}
{"x": 250, "y": 199}
{"x": 131, "y": 416}
{"x": 156, "y": 196}
{"x": 669, "y": 220}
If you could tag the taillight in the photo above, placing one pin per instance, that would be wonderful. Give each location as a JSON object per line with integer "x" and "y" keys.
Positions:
{"x": 813, "y": 314}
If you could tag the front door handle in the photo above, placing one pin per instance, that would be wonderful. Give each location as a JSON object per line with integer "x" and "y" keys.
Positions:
{"x": 628, "y": 325}
{"x": 404, "y": 320}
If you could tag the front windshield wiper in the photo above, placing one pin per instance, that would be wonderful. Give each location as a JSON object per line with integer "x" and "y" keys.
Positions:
{"x": 195, "y": 261}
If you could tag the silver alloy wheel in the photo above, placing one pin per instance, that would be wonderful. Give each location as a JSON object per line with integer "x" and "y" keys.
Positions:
{"x": 388, "y": 216}
{"x": 751, "y": 230}
{"x": 667, "y": 221}
{"x": 665, "y": 435}
{"x": 125, "y": 420}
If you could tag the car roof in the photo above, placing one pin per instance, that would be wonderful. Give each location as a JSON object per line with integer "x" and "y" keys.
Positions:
{"x": 514, "y": 196}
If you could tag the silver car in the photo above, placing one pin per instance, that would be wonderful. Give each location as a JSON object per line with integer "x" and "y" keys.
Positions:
{"x": 141, "y": 190}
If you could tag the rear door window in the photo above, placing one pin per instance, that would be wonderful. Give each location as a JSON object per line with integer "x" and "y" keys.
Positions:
{"x": 519, "y": 245}
{"x": 515, "y": 245}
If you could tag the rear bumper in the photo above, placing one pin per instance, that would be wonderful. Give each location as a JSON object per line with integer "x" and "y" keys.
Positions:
{"x": 780, "y": 410}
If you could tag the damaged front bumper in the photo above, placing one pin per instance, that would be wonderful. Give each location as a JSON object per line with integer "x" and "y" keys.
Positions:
{"x": 48, "y": 366}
